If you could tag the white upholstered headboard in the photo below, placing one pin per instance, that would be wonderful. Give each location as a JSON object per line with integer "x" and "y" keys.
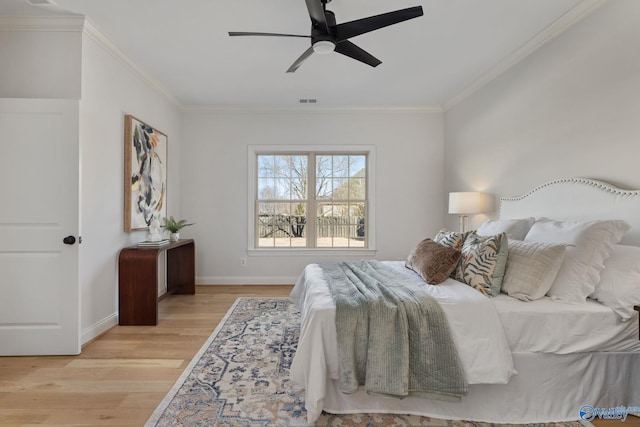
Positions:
{"x": 578, "y": 199}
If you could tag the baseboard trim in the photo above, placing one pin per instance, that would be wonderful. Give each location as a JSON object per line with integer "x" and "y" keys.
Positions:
{"x": 99, "y": 328}
{"x": 248, "y": 280}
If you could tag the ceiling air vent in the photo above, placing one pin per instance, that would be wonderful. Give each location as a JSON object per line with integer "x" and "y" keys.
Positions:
{"x": 308, "y": 101}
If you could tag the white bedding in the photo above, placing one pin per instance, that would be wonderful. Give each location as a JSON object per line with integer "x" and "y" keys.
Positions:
{"x": 551, "y": 326}
{"x": 548, "y": 388}
{"x": 475, "y": 326}
{"x": 554, "y": 345}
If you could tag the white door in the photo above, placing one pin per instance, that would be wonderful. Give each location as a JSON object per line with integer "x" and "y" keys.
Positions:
{"x": 39, "y": 170}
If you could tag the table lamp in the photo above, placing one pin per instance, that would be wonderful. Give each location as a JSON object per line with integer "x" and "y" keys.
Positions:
{"x": 463, "y": 203}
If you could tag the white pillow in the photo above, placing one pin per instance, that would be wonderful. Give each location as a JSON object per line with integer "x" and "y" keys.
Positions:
{"x": 531, "y": 269}
{"x": 590, "y": 243}
{"x": 515, "y": 228}
{"x": 619, "y": 287}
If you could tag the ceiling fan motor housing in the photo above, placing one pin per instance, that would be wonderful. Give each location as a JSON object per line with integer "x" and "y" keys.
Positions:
{"x": 318, "y": 33}
{"x": 324, "y": 42}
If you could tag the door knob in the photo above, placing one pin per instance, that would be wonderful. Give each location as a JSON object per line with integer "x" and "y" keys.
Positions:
{"x": 69, "y": 240}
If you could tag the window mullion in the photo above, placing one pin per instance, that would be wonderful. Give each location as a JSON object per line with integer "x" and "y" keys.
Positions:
{"x": 312, "y": 206}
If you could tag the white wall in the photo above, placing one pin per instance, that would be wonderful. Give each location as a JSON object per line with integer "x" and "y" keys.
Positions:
{"x": 570, "y": 109}
{"x": 409, "y": 181}
{"x": 40, "y": 57}
{"x": 110, "y": 89}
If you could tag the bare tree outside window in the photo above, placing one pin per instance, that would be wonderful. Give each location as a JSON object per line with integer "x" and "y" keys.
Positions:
{"x": 336, "y": 210}
{"x": 282, "y": 193}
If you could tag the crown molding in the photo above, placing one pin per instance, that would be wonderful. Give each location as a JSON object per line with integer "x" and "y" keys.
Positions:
{"x": 80, "y": 23}
{"x": 92, "y": 31}
{"x": 41, "y": 23}
{"x": 308, "y": 110}
{"x": 575, "y": 15}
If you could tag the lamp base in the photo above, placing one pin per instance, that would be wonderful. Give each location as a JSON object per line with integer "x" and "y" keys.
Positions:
{"x": 463, "y": 220}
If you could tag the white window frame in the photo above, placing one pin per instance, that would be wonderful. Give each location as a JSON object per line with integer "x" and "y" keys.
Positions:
{"x": 255, "y": 150}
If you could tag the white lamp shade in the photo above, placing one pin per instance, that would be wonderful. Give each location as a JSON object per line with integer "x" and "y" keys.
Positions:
{"x": 466, "y": 202}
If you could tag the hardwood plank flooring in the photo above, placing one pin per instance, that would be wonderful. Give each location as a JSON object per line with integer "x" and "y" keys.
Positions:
{"x": 122, "y": 376}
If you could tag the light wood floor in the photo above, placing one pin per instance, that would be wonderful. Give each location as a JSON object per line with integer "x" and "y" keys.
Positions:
{"x": 121, "y": 377}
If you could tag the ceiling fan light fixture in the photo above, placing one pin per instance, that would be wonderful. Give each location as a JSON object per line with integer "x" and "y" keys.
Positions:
{"x": 324, "y": 47}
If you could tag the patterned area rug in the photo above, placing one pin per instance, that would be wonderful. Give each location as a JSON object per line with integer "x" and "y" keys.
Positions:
{"x": 240, "y": 377}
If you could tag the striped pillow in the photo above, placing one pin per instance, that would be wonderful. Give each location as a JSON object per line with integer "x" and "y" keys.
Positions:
{"x": 450, "y": 239}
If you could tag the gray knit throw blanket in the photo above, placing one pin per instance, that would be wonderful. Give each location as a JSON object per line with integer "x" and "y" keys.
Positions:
{"x": 393, "y": 337}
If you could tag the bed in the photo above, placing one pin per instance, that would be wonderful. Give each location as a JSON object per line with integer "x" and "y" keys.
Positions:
{"x": 549, "y": 359}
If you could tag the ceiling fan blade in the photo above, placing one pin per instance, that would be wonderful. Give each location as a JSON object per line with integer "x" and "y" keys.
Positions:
{"x": 360, "y": 26}
{"x": 352, "y": 51}
{"x": 307, "y": 53}
{"x": 316, "y": 13}
{"x": 243, "y": 33}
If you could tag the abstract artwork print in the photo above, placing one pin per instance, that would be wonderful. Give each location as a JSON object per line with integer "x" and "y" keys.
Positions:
{"x": 145, "y": 171}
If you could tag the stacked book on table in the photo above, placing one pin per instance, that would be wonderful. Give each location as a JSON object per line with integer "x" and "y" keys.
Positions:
{"x": 150, "y": 244}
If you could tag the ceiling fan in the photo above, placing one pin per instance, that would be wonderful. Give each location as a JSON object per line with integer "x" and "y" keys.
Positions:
{"x": 327, "y": 36}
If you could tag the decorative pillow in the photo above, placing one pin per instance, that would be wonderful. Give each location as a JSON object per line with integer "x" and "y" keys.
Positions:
{"x": 531, "y": 269}
{"x": 452, "y": 239}
{"x": 483, "y": 262}
{"x": 515, "y": 228}
{"x": 432, "y": 261}
{"x": 619, "y": 287}
{"x": 589, "y": 244}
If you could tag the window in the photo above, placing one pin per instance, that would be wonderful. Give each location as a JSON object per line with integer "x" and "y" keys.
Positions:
{"x": 310, "y": 199}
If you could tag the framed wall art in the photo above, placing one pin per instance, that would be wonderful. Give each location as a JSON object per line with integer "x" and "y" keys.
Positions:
{"x": 145, "y": 174}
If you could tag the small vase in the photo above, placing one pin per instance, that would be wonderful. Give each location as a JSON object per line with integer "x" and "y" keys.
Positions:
{"x": 174, "y": 237}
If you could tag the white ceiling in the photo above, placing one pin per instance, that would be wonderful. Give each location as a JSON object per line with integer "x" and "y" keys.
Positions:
{"x": 426, "y": 62}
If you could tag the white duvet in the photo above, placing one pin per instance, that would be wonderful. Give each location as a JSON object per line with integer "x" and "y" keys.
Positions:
{"x": 475, "y": 327}
{"x": 559, "y": 327}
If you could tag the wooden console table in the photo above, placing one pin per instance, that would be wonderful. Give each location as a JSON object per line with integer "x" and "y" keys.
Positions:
{"x": 138, "y": 279}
